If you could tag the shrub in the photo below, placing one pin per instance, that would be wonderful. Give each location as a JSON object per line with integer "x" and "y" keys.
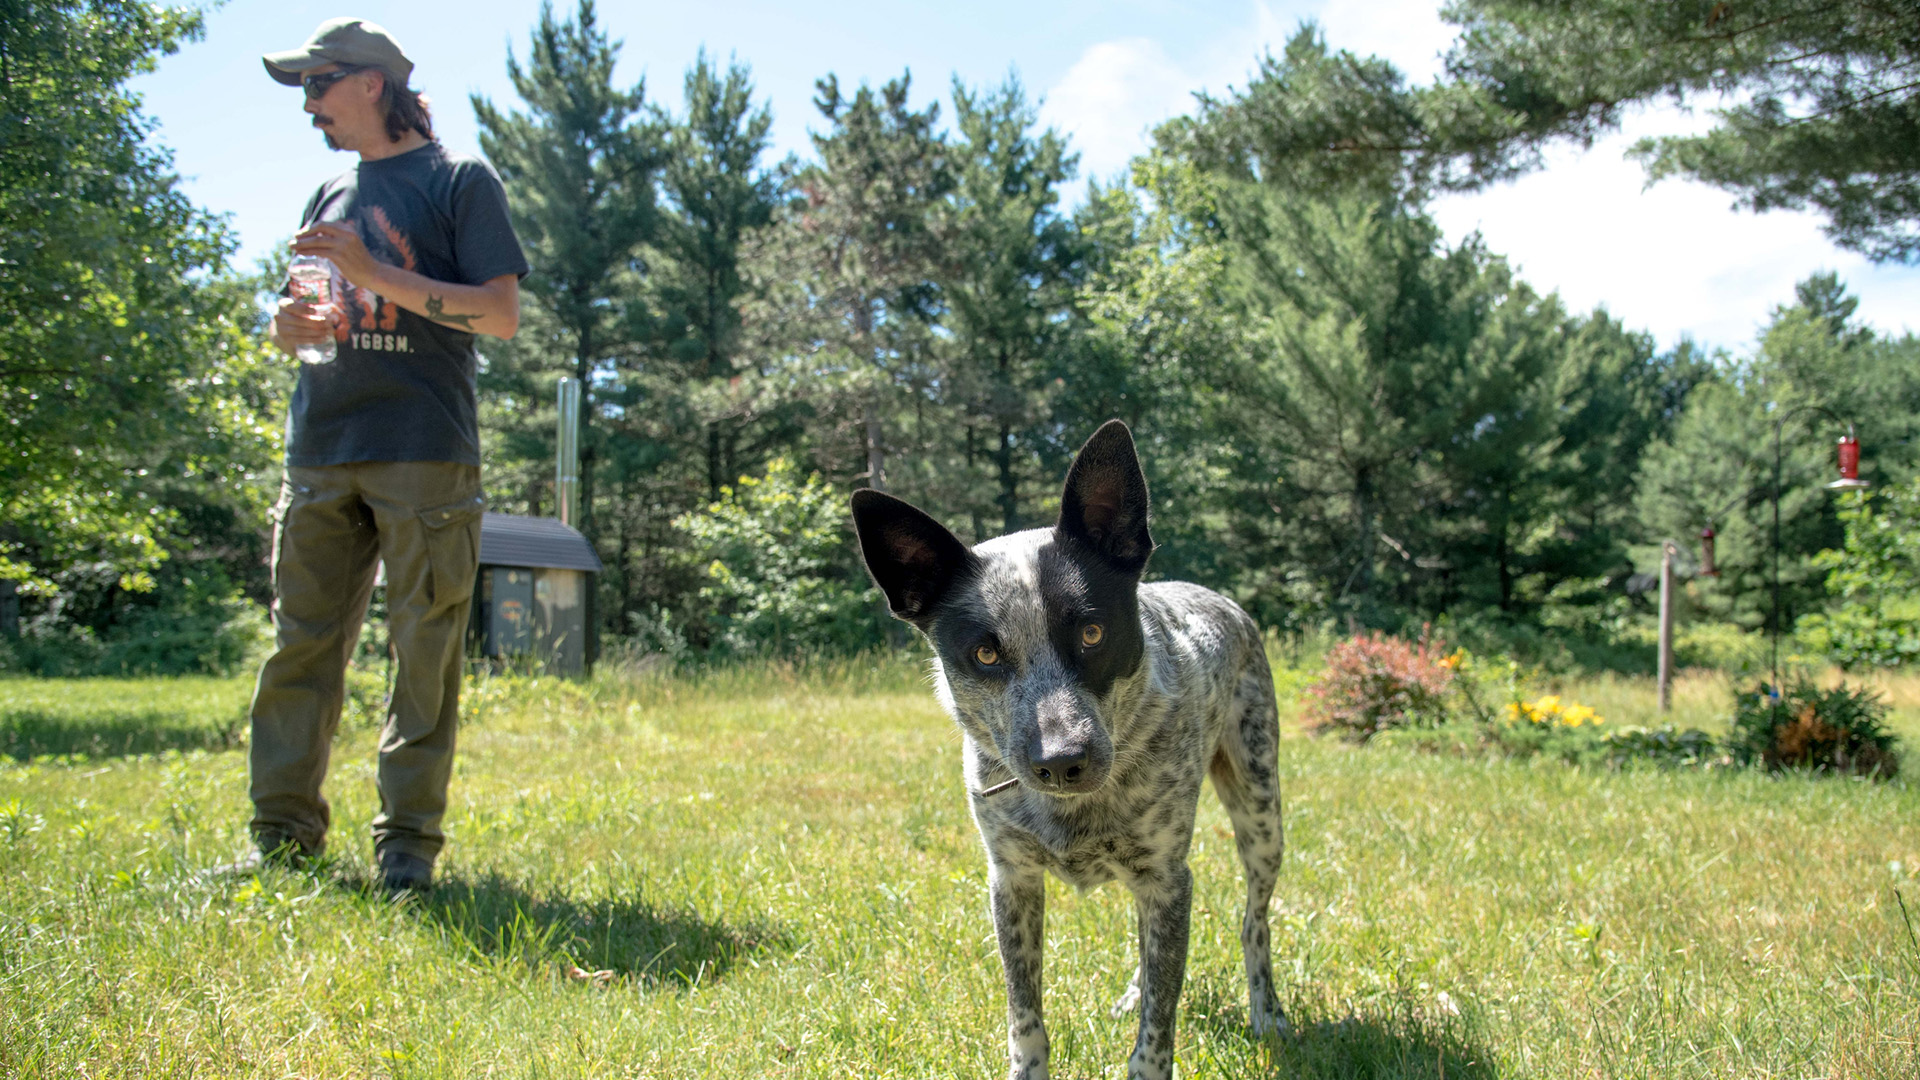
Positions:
{"x": 1842, "y": 729}
{"x": 196, "y": 622}
{"x": 781, "y": 576}
{"x": 1877, "y": 623}
{"x": 1665, "y": 745}
{"x": 1378, "y": 682}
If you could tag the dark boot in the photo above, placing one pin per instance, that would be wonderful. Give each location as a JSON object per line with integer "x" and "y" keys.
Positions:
{"x": 401, "y": 872}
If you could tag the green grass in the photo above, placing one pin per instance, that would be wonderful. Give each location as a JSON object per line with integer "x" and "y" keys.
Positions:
{"x": 776, "y": 869}
{"x": 111, "y": 717}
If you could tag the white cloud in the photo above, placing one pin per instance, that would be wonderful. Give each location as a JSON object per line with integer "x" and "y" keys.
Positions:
{"x": 1110, "y": 99}
{"x": 1407, "y": 32}
{"x": 1674, "y": 258}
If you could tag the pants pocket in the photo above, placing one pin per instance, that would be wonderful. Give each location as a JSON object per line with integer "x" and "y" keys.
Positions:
{"x": 453, "y": 549}
{"x": 290, "y": 495}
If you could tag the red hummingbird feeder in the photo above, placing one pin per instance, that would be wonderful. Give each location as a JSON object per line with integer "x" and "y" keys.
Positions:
{"x": 1707, "y": 568}
{"x": 1849, "y": 449}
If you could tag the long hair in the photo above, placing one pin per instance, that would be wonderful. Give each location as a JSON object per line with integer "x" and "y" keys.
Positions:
{"x": 406, "y": 110}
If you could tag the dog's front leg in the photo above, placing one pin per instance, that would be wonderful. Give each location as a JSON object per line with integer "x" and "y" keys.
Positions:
{"x": 1020, "y": 923}
{"x": 1164, "y": 903}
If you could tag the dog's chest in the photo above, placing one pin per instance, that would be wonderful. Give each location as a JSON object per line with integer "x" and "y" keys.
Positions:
{"x": 1133, "y": 833}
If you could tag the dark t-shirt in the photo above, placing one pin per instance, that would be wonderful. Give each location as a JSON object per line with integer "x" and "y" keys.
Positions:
{"x": 402, "y": 387}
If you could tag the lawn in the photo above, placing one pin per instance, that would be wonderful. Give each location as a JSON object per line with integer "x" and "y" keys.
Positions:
{"x": 770, "y": 872}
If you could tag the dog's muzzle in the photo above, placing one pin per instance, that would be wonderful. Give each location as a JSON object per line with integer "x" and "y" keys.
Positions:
{"x": 1068, "y": 752}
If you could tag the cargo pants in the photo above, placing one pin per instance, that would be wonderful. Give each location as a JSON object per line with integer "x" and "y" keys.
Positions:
{"x": 332, "y": 523}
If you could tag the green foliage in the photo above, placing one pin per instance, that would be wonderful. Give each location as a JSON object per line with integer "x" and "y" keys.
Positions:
{"x": 1666, "y": 745}
{"x": 1801, "y": 726}
{"x": 1815, "y": 104}
{"x": 717, "y": 198}
{"x": 1875, "y": 574}
{"x": 1424, "y": 431}
{"x": 196, "y": 620}
{"x": 129, "y": 362}
{"x": 779, "y": 578}
{"x": 579, "y": 168}
{"x": 1815, "y": 375}
{"x": 869, "y": 242}
{"x": 1007, "y": 291}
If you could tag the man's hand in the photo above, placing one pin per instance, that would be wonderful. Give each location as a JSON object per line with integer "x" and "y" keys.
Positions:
{"x": 491, "y": 307}
{"x": 299, "y": 323}
{"x": 344, "y": 247}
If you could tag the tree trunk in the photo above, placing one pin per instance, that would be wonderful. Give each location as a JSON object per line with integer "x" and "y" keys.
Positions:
{"x": 1504, "y": 558}
{"x": 876, "y": 451}
{"x": 718, "y": 369}
{"x": 870, "y": 416}
{"x": 1361, "y": 580}
{"x": 1009, "y": 486}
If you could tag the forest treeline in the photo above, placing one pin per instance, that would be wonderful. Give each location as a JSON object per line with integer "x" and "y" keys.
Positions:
{"x": 1346, "y": 419}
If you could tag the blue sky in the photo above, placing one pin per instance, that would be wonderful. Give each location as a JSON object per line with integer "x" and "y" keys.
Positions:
{"x": 1672, "y": 259}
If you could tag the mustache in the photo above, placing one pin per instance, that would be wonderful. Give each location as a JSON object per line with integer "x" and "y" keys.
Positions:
{"x": 320, "y": 119}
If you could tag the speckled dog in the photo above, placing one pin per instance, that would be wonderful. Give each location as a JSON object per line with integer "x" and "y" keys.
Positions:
{"x": 1092, "y": 706}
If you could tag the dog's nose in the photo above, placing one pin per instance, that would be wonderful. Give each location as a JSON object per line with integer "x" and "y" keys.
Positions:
{"x": 1060, "y": 768}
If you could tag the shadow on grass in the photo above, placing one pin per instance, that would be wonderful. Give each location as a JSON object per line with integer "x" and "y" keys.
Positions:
{"x": 494, "y": 917}
{"x": 1391, "y": 1044}
{"x": 27, "y": 733}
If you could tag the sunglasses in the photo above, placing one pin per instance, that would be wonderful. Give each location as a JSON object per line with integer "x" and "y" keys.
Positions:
{"x": 317, "y": 86}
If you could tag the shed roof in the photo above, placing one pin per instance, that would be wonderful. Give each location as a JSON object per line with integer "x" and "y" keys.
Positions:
{"x": 512, "y": 540}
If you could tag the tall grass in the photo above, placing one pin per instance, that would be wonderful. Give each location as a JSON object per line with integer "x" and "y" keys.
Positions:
{"x": 769, "y": 871}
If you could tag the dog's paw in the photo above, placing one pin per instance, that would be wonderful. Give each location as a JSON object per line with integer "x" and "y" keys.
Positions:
{"x": 1273, "y": 1026}
{"x": 1129, "y": 1001}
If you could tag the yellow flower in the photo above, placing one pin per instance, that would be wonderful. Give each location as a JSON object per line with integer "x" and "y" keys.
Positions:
{"x": 1548, "y": 704}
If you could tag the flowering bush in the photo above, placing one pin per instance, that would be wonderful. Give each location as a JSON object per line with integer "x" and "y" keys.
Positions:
{"x": 1377, "y": 682}
{"x": 1550, "y": 711}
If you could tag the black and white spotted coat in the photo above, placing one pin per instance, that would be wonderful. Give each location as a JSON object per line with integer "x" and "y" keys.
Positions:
{"x": 1171, "y": 685}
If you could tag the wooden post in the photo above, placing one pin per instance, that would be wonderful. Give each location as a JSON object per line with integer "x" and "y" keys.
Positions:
{"x": 1666, "y": 627}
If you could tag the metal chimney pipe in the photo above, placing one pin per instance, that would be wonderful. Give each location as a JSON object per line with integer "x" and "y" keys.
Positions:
{"x": 566, "y": 480}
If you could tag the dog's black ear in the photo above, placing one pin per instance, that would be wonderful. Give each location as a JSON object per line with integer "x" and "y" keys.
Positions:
{"x": 1105, "y": 503}
{"x": 913, "y": 558}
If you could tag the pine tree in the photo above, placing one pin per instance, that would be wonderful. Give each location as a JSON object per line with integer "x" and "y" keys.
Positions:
{"x": 718, "y": 195}
{"x": 874, "y": 250}
{"x": 1008, "y": 288}
{"x": 580, "y": 168}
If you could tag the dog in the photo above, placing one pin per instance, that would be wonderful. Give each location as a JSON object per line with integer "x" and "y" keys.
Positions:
{"x": 1092, "y": 706}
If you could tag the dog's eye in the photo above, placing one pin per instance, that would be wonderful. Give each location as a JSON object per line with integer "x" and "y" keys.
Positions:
{"x": 1092, "y": 634}
{"x": 986, "y": 655}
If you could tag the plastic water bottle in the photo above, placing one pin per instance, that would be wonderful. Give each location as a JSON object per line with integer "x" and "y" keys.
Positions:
{"x": 311, "y": 278}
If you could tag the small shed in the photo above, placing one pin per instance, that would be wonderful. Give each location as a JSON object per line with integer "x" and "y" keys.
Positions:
{"x": 535, "y": 574}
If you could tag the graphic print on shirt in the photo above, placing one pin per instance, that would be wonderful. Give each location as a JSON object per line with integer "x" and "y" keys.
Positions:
{"x": 372, "y": 318}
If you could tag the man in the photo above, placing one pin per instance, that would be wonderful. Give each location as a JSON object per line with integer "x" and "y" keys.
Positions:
{"x": 383, "y": 449}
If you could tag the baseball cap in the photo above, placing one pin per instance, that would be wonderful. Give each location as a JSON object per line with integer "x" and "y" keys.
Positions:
{"x": 354, "y": 42}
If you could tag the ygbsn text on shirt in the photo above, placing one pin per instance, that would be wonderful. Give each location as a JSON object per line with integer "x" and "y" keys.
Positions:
{"x": 379, "y": 342}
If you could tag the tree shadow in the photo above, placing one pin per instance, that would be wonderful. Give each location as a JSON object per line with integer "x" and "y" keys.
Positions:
{"x": 1396, "y": 1042}
{"x": 611, "y": 938}
{"x": 27, "y": 733}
